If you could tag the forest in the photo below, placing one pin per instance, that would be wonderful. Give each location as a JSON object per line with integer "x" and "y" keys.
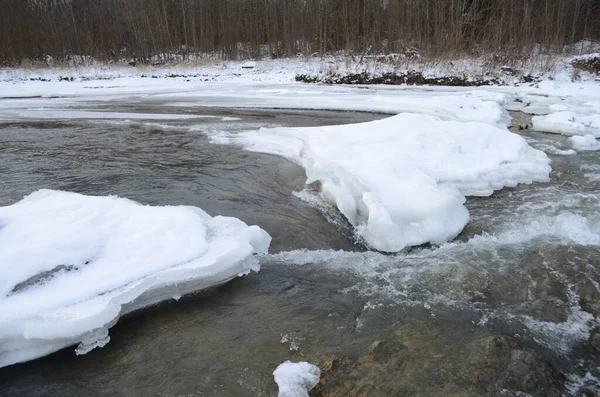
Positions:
{"x": 240, "y": 29}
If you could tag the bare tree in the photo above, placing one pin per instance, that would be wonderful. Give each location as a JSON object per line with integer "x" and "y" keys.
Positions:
{"x": 142, "y": 29}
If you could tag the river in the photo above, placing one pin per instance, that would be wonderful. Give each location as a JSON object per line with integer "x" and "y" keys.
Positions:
{"x": 525, "y": 268}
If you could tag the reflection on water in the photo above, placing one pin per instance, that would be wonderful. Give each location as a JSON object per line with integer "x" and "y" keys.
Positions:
{"x": 525, "y": 267}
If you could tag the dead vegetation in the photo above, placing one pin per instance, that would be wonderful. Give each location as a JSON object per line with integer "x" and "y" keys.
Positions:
{"x": 409, "y": 78}
{"x": 588, "y": 64}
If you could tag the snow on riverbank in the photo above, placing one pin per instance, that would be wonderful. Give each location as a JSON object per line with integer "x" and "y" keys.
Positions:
{"x": 71, "y": 265}
{"x": 402, "y": 181}
{"x": 563, "y": 104}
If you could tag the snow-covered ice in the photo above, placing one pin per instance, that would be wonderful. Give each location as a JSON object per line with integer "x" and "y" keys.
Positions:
{"x": 85, "y": 114}
{"x": 296, "y": 379}
{"x": 568, "y": 123}
{"x": 71, "y": 265}
{"x": 584, "y": 143}
{"x": 402, "y": 181}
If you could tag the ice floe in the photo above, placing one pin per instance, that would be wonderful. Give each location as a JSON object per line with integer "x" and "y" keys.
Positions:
{"x": 296, "y": 379}
{"x": 568, "y": 123}
{"x": 71, "y": 265}
{"x": 402, "y": 181}
{"x": 584, "y": 143}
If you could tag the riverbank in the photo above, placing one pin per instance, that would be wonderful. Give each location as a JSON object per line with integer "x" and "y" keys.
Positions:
{"x": 329, "y": 69}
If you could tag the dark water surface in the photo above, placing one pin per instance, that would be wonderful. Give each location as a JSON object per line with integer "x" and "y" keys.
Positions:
{"x": 527, "y": 266}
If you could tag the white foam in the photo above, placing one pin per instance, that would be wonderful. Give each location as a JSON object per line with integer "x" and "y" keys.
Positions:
{"x": 567, "y": 226}
{"x": 71, "y": 265}
{"x": 550, "y": 149}
{"x": 588, "y": 381}
{"x": 561, "y": 337}
{"x": 296, "y": 379}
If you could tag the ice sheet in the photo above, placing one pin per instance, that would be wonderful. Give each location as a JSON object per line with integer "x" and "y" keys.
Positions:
{"x": 296, "y": 379}
{"x": 71, "y": 265}
{"x": 584, "y": 143}
{"x": 568, "y": 123}
{"x": 402, "y": 181}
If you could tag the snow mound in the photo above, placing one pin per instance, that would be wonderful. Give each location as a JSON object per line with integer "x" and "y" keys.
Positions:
{"x": 71, "y": 265}
{"x": 402, "y": 181}
{"x": 568, "y": 123}
{"x": 296, "y": 379}
{"x": 583, "y": 143}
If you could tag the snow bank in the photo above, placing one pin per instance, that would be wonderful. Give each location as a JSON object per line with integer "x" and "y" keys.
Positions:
{"x": 296, "y": 379}
{"x": 71, "y": 265}
{"x": 402, "y": 181}
{"x": 582, "y": 143}
{"x": 568, "y": 123}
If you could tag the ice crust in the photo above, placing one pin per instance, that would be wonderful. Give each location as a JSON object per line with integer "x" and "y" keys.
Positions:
{"x": 71, "y": 265}
{"x": 402, "y": 181}
{"x": 296, "y": 379}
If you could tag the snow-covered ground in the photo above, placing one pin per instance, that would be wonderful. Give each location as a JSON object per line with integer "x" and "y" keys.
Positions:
{"x": 71, "y": 265}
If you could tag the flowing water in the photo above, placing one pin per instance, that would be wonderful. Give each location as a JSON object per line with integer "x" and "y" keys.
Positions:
{"x": 527, "y": 266}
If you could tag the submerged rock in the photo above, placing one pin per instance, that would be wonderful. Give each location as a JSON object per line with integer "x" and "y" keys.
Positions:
{"x": 519, "y": 121}
{"x": 420, "y": 360}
